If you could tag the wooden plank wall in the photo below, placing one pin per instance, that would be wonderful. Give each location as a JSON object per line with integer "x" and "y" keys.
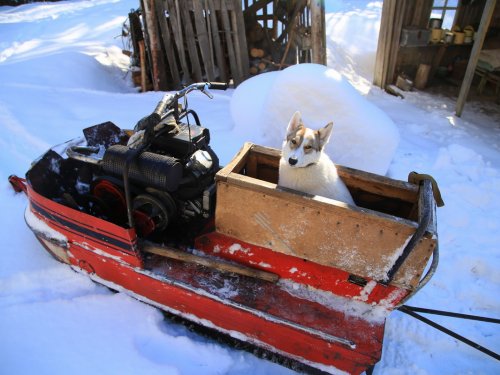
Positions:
{"x": 194, "y": 40}
{"x": 189, "y": 41}
{"x": 396, "y": 14}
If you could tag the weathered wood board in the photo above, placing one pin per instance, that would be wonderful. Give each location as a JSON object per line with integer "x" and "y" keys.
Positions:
{"x": 360, "y": 240}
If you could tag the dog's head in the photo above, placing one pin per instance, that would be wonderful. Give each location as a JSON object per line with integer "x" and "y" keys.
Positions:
{"x": 303, "y": 146}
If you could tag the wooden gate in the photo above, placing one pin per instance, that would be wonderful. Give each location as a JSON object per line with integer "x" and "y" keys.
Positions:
{"x": 193, "y": 40}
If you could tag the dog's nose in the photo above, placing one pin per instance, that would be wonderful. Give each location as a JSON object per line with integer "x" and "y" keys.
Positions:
{"x": 292, "y": 161}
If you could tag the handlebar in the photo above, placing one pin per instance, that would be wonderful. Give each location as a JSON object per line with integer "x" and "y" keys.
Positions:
{"x": 202, "y": 86}
{"x": 169, "y": 99}
{"x": 217, "y": 85}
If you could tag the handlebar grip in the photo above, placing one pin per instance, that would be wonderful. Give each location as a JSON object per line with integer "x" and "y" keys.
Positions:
{"x": 163, "y": 103}
{"x": 218, "y": 85}
{"x": 148, "y": 122}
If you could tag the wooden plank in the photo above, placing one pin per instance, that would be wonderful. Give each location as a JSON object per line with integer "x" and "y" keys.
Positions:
{"x": 256, "y": 6}
{"x": 219, "y": 55}
{"x": 208, "y": 21}
{"x": 236, "y": 163}
{"x": 251, "y": 165}
{"x": 231, "y": 5}
{"x": 395, "y": 37}
{"x": 318, "y": 33}
{"x": 353, "y": 178}
{"x": 266, "y": 160}
{"x": 422, "y": 76}
{"x": 488, "y": 11}
{"x": 147, "y": 36}
{"x": 361, "y": 242}
{"x": 237, "y": 48}
{"x": 157, "y": 62}
{"x": 421, "y": 13}
{"x": 189, "y": 36}
{"x": 169, "y": 47}
{"x": 174, "y": 16}
{"x": 383, "y": 40}
{"x": 142, "y": 58}
{"x": 202, "y": 39}
{"x": 226, "y": 25}
{"x": 217, "y": 264}
{"x": 388, "y": 43}
{"x": 270, "y": 188}
{"x": 135, "y": 30}
{"x": 241, "y": 37}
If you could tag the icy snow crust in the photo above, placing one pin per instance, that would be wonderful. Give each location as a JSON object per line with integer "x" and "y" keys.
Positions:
{"x": 61, "y": 70}
{"x": 41, "y": 227}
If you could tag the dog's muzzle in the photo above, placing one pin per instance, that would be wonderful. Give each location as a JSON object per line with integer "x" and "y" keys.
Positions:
{"x": 292, "y": 161}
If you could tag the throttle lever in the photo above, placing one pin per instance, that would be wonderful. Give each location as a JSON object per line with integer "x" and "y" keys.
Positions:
{"x": 206, "y": 91}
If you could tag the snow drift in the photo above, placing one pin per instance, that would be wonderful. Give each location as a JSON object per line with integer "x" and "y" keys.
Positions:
{"x": 363, "y": 137}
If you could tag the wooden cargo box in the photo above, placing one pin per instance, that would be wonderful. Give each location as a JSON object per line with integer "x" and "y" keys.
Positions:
{"x": 364, "y": 240}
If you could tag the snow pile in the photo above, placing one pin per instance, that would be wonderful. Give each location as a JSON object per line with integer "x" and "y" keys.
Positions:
{"x": 351, "y": 39}
{"x": 363, "y": 137}
{"x": 61, "y": 71}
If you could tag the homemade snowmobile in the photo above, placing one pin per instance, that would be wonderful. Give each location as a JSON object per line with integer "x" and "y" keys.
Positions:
{"x": 149, "y": 212}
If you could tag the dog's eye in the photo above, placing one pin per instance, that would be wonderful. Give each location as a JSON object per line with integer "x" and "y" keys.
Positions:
{"x": 293, "y": 142}
{"x": 307, "y": 147}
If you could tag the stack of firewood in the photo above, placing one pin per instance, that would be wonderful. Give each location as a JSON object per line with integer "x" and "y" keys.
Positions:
{"x": 263, "y": 52}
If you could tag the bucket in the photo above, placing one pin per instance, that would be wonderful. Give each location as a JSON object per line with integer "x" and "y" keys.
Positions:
{"x": 449, "y": 37}
{"x": 469, "y": 34}
{"x": 436, "y": 35}
{"x": 435, "y": 23}
{"x": 459, "y": 37}
{"x": 469, "y": 31}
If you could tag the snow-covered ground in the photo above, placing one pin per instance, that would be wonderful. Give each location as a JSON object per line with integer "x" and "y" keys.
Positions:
{"x": 61, "y": 70}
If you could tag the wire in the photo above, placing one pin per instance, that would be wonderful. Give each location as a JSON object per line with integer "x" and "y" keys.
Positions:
{"x": 409, "y": 310}
{"x": 453, "y": 314}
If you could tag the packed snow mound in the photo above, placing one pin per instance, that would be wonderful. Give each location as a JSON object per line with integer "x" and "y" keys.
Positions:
{"x": 363, "y": 137}
{"x": 247, "y": 103}
{"x": 70, "y": 70}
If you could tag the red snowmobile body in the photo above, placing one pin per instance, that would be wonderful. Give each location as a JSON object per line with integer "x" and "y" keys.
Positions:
{"x": 308, "y": 278}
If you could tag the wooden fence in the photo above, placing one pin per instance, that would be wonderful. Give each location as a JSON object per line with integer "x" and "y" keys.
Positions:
{"x": 182, "y": 41}
{"x": 193, "y": 40}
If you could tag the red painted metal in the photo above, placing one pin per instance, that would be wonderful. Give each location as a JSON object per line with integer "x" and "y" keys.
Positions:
{"x": 268, "y": 315}
{"x": 299, "y": 270}
{"x": 191, "y": 291}
{"x": 86, "y": 230}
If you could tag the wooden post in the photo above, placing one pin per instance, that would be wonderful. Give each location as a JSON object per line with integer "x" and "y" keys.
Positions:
{"x": 489, "y": 8}
{"x": 229, "y": 38}
{"x": 318, "y": 34}
{"x": 157, "y": 62}
{"x": 422, "y": 76}
{"x": 383, "y": 47}
{"x": 241, "y": 37}
{"x": 142, "y": 59}
{"x": 395, "y": 38}
{"x": 169, "y": 53}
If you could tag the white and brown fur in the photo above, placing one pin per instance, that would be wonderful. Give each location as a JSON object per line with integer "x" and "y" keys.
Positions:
{"x": 305, "y": 167}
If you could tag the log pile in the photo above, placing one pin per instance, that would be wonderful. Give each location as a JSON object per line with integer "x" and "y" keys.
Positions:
{"x": 260, "y": 49}
{"x": 279, "y": 33}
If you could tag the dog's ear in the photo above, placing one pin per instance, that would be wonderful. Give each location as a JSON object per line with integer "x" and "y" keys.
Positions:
{"x": 324, "y": 134}
{"x": 295, "y": 123}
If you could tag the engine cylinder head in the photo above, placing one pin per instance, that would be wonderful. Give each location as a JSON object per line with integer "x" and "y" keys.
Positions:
{"x": 148, "y": 169}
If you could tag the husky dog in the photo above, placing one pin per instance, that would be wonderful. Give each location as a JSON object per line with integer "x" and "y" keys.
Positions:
{"x": 305, "y": 167}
